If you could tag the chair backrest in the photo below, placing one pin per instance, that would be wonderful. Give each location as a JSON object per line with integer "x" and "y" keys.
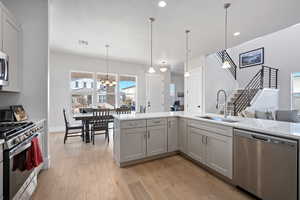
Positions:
{"x": 286, "y": 115}
{"x": 65, "y": 118}
{"x": 123, "y": 111}
{"x": 101, "y": 117}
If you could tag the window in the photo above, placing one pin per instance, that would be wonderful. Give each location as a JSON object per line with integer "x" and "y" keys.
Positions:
{"x": 87, "y": 90}
{"x": 127, "y": 91}
{"x": 82, "y": 96}
{"x": 296, "y": 91}
{"x": 106, "y": 95}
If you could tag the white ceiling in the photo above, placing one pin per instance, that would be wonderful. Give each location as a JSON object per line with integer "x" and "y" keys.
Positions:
{"x": 124, "y": 25}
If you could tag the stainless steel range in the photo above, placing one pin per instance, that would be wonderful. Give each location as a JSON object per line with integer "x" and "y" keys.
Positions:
{"x": 17, "y": 136}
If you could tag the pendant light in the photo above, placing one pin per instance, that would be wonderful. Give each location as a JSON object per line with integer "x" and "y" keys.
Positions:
{"x": 226, "y": 64}
{"x": 107, "y": 81}
{"x": 187, "y": 73}
{"x": 151, "y": 68}
{"x": 163, "y": 67}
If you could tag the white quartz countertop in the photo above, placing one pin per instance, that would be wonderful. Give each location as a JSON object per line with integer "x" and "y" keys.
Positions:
{"x": 277, "y": 128}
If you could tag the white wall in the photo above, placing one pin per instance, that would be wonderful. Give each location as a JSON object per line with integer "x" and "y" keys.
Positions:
{"x": 281, "y": 51}
{"x": 61, "y": 64}
{"x": 33, "y": 17}
{"x": 216, "y": 78}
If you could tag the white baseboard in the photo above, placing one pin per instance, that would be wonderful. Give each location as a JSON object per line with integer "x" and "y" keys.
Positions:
{"x": 55, "y": 129}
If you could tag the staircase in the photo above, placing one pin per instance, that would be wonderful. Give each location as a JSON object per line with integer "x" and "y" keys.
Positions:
{"x": 266, "y": 77}
{"x": 235, "y": 95}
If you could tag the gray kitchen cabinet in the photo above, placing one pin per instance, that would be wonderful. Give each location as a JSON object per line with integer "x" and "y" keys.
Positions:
{"x": 219, "y": 153}
{"x": 156, "y": 140}
{"x": 182, "y": 135}
{"x": 133, "y": 144}
{"x": 211, "y": 145}
{"x": 172, "y": 134}
{"x": 11, "y": 46}
{"x": 138, "y": 139}
{"x": 196, "y": 146}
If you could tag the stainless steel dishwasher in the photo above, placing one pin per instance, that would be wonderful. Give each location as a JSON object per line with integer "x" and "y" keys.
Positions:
{"x": 266, "y": 166}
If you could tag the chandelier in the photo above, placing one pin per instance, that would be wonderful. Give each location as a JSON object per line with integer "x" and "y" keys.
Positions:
{"x": 107, "y": 81}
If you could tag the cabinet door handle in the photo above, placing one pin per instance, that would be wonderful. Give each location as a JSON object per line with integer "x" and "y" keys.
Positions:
{"x": 206, "y": 139}
{"x": 202, "y": 139}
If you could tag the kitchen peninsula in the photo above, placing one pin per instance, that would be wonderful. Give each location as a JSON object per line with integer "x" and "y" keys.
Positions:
{"x": 212, "y": 141}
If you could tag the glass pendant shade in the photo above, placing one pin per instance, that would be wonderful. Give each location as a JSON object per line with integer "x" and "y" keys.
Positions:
{"x": 226, "y": 65}
{"x": 163, "y": 69}
{"x": 151, "y": 70}
{"x": 187, "y": 74}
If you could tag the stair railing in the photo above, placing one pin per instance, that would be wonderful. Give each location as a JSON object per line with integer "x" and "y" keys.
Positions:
{"x": 266, "y": 77}
{"x": 224, "y": 56}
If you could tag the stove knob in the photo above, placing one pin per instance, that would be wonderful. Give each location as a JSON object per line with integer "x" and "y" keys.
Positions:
{"x": 16, "y": 141}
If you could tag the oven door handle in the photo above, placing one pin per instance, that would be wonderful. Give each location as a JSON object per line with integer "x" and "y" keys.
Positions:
{"x": 21, "y": 147}
{"x": 19, "y": 150}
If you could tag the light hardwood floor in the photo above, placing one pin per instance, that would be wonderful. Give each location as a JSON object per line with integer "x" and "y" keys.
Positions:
{"x": 82, "y": 171}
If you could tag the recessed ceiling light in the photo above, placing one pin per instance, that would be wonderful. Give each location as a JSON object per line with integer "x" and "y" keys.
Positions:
{"x": 237, "y": 34}
{"x": 162, "y": 4}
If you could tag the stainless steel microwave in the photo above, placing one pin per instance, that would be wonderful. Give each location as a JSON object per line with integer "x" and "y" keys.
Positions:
{"x": 4, "y": 67}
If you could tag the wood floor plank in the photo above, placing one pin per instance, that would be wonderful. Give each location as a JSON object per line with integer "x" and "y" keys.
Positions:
{"x": 82, "y": 171}
{"x": 138, "y": 191}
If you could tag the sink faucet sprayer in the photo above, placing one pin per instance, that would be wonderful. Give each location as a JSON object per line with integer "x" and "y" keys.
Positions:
{"x": 225, "y": 106}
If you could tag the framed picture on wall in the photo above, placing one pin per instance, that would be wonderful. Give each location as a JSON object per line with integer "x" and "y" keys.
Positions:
{"x": 252, "y": 58}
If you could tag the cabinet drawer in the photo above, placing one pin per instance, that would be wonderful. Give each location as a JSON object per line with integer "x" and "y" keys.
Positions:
{"x": 133, "y": 124}
{"x": 157, "y": 122}
{"x": 216, "y": 128}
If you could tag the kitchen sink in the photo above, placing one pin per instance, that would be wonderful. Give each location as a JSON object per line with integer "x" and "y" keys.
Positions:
{"x": 218, "y": 119}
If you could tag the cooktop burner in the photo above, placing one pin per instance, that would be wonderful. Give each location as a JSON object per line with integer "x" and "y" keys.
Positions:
{"x": 8, "y": 129}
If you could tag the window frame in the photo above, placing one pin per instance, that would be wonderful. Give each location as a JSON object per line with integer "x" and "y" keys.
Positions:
{"x": 94, "y": 86}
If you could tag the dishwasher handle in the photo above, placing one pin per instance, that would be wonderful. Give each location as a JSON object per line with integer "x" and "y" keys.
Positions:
{"x": 261, "y": 138}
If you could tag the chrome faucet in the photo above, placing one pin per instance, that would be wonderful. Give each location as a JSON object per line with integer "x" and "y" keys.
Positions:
{"x": 225, "y": 106}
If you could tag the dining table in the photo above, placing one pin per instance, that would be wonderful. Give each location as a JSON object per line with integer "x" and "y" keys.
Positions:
{"x": 86, "y": 119}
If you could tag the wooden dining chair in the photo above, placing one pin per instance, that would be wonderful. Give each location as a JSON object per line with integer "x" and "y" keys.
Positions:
{"x": 72, "y": 130}
{"x": 99, "y": 124}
